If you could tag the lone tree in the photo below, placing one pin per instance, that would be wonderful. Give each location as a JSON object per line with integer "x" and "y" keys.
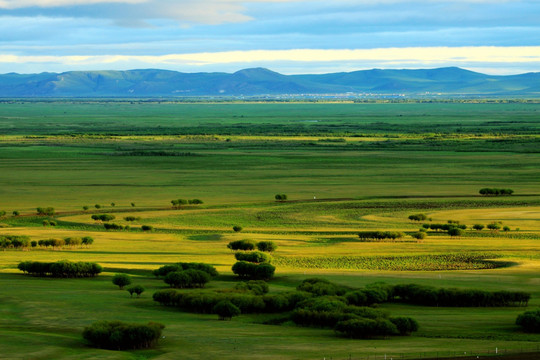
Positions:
{"x": 478, "y": 227}
{"x": 237, "y": 228}
{"x": 226, "y": 310}
{"x": 121, "y": 280}
{"x": 280, "y": 197}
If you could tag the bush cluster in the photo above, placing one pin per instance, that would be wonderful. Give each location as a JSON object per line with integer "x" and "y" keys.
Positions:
{"x": 103, "y": 217}
{"x": 495, "y": 192}
{"x": 164, "y": 270}
{"x": 190, "y": 278}
{"x": 63, "y": 268}
{"x": 380, "y": 235}
{"x": 280, "y": 197}
{"x": 430, "y": 296}
{"x": 116, "y": 335}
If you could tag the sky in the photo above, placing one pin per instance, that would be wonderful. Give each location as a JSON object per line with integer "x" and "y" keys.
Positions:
{"x": 291, "y": 37}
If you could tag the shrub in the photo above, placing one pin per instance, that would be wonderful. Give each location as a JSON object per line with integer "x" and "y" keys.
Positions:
{"x": 195, "y": 202}
{"x": 266, "y": 246}
{"x": 254, "y": 257}
{"x": 178, "y": 202}
{"x": 506, "y": 228}
{"x": 121, "y": 280}
{"x": 147, "y": 228}
{"x": 237, "y": 228}
{"x": 226, "y": 310}
{"x": 242, "y": 245}
{"x": 116, "y": 335}
{"x": 86, "y": 207}
{"x": 419, "y": 235}
{"x": 478, "y": 227}
{"x": 529, "y": 321}
{"x": 16, "y": 213}
{"x": 135, "y": 289}
{"x": 132, "y": 218}
{"x": 97, "y": 206}
{"x": 280, "y": 197}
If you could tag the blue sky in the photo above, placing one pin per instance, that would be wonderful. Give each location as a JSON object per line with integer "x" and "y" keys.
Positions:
{"x": 491, "y": 36}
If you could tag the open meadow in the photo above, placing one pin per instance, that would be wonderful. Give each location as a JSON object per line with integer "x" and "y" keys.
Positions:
{"x": 345, "y": 168}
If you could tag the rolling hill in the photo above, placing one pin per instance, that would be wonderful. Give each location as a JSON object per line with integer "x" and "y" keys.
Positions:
{"x": 451, "y": 81}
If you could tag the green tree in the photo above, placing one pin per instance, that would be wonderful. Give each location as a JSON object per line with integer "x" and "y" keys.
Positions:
{"x": 226, "y": 310}
{"x": 237, "y": 228}
{"x": 121, "y": 280}
{"x": 478, "y": 227}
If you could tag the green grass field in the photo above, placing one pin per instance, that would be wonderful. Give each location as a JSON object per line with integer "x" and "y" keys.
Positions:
{"x": 345, "y": 168}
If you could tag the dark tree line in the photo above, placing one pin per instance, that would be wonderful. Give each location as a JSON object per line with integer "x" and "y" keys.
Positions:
{"x": 380, "y": 235}
{"x": 495, "y": 192}
{"x": 62, "y": 269}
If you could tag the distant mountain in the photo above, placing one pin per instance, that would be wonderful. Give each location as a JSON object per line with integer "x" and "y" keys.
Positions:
{"x": 259, "y": 81}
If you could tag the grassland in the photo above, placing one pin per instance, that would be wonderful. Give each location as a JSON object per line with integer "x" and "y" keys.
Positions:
{"x": 368, "y": 166}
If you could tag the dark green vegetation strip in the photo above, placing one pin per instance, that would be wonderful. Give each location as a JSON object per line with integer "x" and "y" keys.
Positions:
{"x": 396, "y": 263}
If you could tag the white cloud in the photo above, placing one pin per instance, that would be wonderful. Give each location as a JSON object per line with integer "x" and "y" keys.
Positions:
{"x": 470, "y": 57}
{"x": 18, "y": 4}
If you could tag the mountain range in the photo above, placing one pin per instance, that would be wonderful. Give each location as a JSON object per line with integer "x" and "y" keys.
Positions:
{"x": 451, "y": 81}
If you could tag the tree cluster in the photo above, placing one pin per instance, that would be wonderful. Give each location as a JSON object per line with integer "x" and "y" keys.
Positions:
{"x": 14, "y": 241}
{"x": 529, "y": 321}
{"x": 132, "y": 218}
{"x": 495, "y": 192}
{"x": 62, "y": 269}
{"x": 280, "y": 197}
{"x": 69, "y": 241}
{"x": 380, "y": 235}
{"x": 252, "y": 264}
{"x": 116, "y": 335}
